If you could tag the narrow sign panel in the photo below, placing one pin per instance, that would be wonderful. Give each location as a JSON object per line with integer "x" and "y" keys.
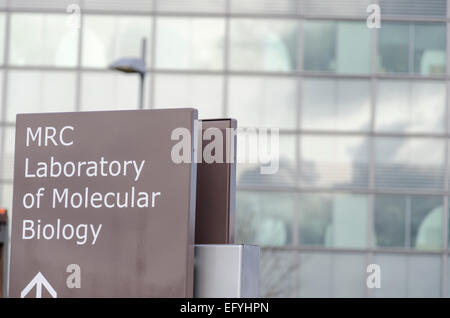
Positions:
{"x": 216, "y": 184}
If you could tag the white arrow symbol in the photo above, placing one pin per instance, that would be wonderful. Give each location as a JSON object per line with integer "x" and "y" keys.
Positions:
{"x": 38, "y": 280}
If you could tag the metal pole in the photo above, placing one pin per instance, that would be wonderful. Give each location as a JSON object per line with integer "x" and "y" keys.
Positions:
{"x": 142, "y": 75}
{"x": 141, "y": 91}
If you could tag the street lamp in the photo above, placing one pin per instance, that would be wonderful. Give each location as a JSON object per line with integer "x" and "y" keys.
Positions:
{"x": 134, "y": 65}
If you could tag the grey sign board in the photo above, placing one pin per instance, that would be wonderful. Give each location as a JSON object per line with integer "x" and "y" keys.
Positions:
{"x": 100, "y": 209}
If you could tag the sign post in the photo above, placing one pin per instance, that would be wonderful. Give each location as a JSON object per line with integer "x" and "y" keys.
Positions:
{"x": 100, "y": 208}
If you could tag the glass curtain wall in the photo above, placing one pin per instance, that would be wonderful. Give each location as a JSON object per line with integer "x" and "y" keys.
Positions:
{"x": 363, "y": 118}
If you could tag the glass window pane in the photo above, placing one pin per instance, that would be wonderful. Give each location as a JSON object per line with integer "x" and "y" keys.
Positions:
{"x": 448, "y": 234}
{"x": 430, "y": 8}
{"x": 332, "y": 275}
{"x": 409, "y": 275}
{"x": 2, "y": 37}
{"x": 319, "y": 55}
{"x": 409, "y": 163}
{"x": 353, "y": 47}
{"x": 429, "y": 48}
{"x": 142, "y": 6}
{"x": 271, "y": 7}
{"x": 393, "y": 47}
{"x": 252, "y": 154}
{"x": 264, "y": 218}
{"x": 448, "y": 277}
{"x": 42, "y": 39}
{"x": 46, "y": 91}
{"x": 390, "y": 218}
{"x": 203, "y": 92}
{"x": 424, "y": 276}
{"x": 335, "y": 104}
{"x": 107, "y": 38}
{"x": 354, "y": 8}
{"x": 330, "y": 46}
{"x": 315, "y": 279}
{"x": 263, "y": 102}
{"x": 334, "y": 161}
{"x": 278, "y": 270}
{"x": 1, "y": 93}
{"x": 7, "y": 162}
{"x": 408, "y": 221}
{"x": 426, "y": 222}
{"x": 109, "y": 91}
{"x": 190, "y": 43}
{"x": 333, "y": 220}
{"x": 263, "y": 45}
{"x": 203, "y": 6}
{"x": 410, "y": 106}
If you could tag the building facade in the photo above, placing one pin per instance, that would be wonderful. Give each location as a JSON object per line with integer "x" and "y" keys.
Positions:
{"x": 363, "y": 115}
